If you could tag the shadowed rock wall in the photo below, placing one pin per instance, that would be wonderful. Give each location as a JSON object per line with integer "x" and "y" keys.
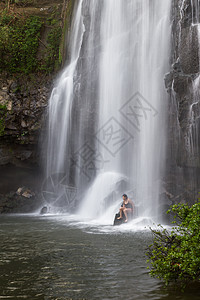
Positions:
{"x": 182, "y": 83}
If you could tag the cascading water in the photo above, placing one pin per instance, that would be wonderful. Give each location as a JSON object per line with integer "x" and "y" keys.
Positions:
{"x": 107, "y": 112}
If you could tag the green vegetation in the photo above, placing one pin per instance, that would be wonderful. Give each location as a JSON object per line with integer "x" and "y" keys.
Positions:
{"x": 50, "y": 62}
{"x": 29, "y": 44}
{"x": 175, "y": 255}
{"x": 3, "y": 113}
{"x": 22, "y": 3}
{"x": 67, "y": 17}
{"x": 18, "y": 42}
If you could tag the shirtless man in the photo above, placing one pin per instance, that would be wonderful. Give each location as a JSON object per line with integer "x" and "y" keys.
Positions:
{"x": 127, "y": 206}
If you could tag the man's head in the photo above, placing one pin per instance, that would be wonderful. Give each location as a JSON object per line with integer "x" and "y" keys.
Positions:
{"x": 125, "y": 197}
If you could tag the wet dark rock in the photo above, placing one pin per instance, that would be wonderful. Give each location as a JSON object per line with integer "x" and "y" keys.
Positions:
{"x": 13, "y": 87}
{"x": 26, "y": 104}
{"x": 21, "y": 201}
{"x": 177, "y": 66}
{"x": 183, "y": 155}
{"x": 168, "y": 80}
{"x": 25, "y": 192}
{"x": 44, "y": 210}
{"x": 122, "y": 221}
{"x": 189, "y": 49}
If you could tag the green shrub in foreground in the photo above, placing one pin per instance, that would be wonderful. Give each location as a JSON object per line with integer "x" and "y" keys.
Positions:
{"x": 175, "y": 255}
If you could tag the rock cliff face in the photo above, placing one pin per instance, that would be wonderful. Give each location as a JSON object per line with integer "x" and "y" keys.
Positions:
{"x": 183, "y": 85}
{"x": 24, "y": 97}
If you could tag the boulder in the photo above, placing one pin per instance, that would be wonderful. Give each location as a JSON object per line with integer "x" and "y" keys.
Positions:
{"x": 44, "y": 210}
{"x": 121, "y": 221}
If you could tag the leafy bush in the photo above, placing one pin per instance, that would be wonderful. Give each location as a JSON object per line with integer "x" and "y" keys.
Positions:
{"x": 175, "y": 255}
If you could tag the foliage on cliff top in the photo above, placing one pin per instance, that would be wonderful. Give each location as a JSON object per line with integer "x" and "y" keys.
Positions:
{"x": 67, "y": 18}
{"x": 18, "y": 42}
{"x": 175, "y": 255}
{"x": 50, "y": 61}
{"x": 29, "y": 43}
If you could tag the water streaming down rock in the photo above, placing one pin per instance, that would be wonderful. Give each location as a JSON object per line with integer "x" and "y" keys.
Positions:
{"x": 192, "y": 130}
{"x": 107, "y": 112}
{"x": 193, "y": 134}
{"x": 182, "y": 174}
{"x": 195, "y": 4}
{"x": 60, "y": 104}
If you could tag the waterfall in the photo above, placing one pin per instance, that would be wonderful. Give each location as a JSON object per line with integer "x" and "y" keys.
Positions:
{"x": 106, "y": 126}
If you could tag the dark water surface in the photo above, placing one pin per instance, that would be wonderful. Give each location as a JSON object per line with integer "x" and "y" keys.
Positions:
{"x": 51, "y": 258}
